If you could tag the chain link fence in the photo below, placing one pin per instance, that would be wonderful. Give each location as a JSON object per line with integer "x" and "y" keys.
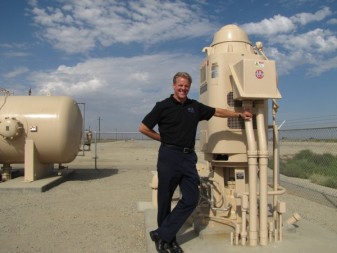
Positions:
{"x": 308, "y": 163}
{"x": 308, "y": 160}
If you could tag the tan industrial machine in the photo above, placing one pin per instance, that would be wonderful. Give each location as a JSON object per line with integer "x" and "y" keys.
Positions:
{"x": 38, "y": 131}
{"x": 234, "y": 188}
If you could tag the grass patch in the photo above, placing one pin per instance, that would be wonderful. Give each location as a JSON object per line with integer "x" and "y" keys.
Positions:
{"x": 319, "y": 168}
{"x": 324, "y": 180}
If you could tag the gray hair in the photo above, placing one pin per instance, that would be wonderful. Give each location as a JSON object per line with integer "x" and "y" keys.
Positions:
{"x": 184, "y": 75}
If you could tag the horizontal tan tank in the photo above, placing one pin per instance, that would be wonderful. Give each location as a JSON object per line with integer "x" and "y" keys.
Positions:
{"x": 53, "y": 123}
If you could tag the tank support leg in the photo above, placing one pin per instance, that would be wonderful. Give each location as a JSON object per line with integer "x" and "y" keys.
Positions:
{"x": 34, "y": 169}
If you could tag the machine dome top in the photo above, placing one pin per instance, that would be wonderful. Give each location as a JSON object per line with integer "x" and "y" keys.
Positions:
{"x": 230, "y": 33}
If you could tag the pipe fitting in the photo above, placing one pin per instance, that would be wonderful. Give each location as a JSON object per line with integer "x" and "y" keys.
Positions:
{"x": 154, "y": 182}
{"x": 252, "y": 154}
{"x": 293, "y": 219}
{"x": 154, "y": 187}
{"x": 263, "y": 154}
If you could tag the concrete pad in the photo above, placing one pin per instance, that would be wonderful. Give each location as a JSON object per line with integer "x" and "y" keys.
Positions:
{"x": 304, "y": 237}
{"x": 41, "y": 185}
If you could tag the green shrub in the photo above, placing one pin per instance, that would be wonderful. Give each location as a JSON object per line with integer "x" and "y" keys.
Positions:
{"x": 320, "y": 169}
{"x": 324, "y": 180}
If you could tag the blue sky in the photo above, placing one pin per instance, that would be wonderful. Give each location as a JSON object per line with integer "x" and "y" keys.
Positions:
{"x": 118, "y": 57}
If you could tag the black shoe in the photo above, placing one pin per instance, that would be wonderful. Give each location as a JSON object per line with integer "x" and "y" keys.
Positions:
{"x": 175, "y": 248}
{"x": 161, "y": 245}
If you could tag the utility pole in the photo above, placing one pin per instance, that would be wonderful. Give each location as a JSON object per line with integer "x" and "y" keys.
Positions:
{"x": 99, "y": 128}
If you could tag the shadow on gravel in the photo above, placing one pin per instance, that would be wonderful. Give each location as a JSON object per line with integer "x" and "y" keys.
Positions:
{"x": 311, "y": 194}
{"x": 91, "y": 174}
{"x": 186, "y": 236}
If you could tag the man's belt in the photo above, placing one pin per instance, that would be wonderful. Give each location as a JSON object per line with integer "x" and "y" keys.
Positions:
{"x": 182, "y": 149}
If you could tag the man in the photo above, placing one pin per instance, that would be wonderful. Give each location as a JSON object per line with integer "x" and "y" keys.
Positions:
{"x": 177, "y": 118}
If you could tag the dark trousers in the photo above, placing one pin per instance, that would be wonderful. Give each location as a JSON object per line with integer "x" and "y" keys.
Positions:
{"x": 175, "y": 168}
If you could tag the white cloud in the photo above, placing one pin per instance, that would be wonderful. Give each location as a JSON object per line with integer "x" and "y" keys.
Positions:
{"x": 311, "y": 49}
{"x": 324, "y": 65}
{"x": 332, "y": 21}
{"x": 281, "y": 24}
{"x": 120, "y": 76}
{"x": 140, "y": 77}
{"x": 305, "y": 18}
{"x": 16, "y": 54}
{"x": 315, "y": 47}
{"x": 316, "y": 41}
{"x": 275, "y": 25}
{"x": 118, "y": 87}
{"x": 16, "y": 72}
{"x": 15, "y": 50}
{"x": 80, "y": 26}
{"x": 73, "y": 81}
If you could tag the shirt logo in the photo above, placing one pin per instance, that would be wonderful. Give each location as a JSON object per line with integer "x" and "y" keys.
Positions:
{"x": 190, "y": 109}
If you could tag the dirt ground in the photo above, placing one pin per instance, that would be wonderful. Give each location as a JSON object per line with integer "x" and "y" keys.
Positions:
{"x": 96, "y": 209}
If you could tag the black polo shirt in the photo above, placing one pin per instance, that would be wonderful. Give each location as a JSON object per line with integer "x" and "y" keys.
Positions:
{"x": 177, "y": 122}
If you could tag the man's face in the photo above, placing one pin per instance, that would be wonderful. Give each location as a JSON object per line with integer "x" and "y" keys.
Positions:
{"x": 181, "y": 89}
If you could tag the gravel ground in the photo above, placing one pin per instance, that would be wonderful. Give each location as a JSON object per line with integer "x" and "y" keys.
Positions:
{"x": 96, "y": 209}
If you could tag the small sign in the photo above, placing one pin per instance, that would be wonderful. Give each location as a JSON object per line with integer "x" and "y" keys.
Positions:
{"x": 33, "y": 129}
{"x": 259, "y": 74}
{"x": 259, "y": 64}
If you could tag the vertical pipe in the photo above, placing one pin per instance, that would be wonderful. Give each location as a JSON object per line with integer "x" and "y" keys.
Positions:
{"x": 244, "y": 206}
{"x": 271, "y": 230}
{"x": 280, "y": 228}
{"x": 83, "y": 128}
{"x": 263, "y": 165}
{"x": 275, "y": 158}
{"x": 237, "y": 234}
{"x": 95, "y": 150}
{"x": 252, "y": 169}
